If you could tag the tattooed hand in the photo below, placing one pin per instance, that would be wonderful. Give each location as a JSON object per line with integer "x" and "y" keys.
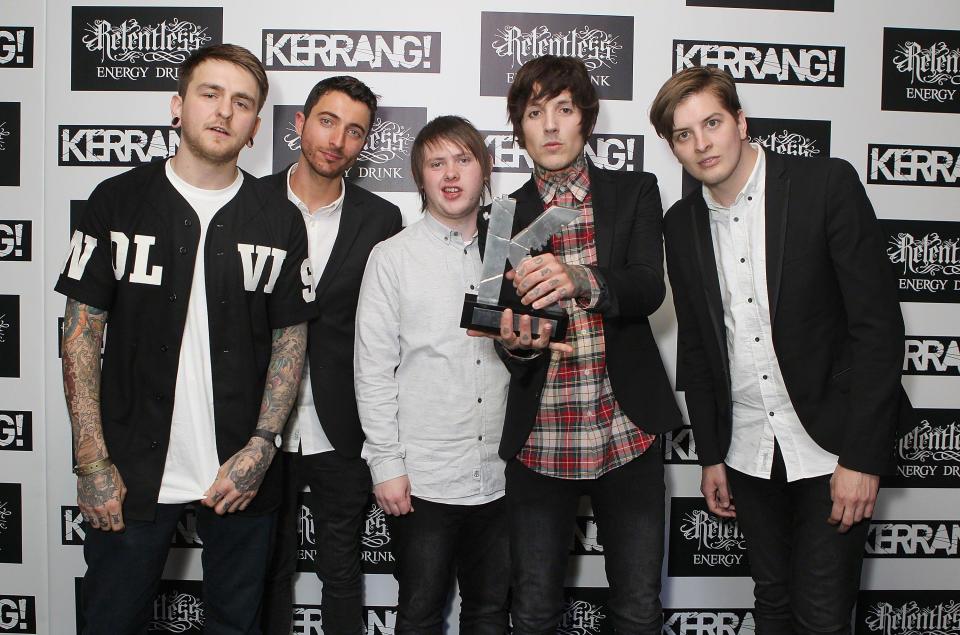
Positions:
{"x": 543, "y": 280}
{"x": 100, "y": 499}
{"x": 240, "y": 477}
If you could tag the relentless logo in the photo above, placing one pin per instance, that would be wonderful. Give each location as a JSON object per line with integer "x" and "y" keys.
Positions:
{"x": 921, "y": 70}
{"x": 177, "y": 607}
{"x": 383, "y": 164}
{"x": 607, "y": 151}
{"x": 679, "y": 447}
{"x": 73, "y": 531}
{"x": 138, "y": 48}
{"x": 15, "y": 240}
{"x": 16, "y": 47}
{"x": 10, "y": 143}
{"x": 708, "y": 622}
{"x": 16, "y": 430}
{"x": 931, "y": 355}
{"x": 115, "y": 146}
{"x": 915, "y": 612}
{"x": 604, "y": 43}
{"x": 11, "y": 523}
{"x": 18, "y": 614}
{"x": 354, "y": 51}
{"x": 781, "y": 5}
{"x": 375, "y": 554}
{"x": 937, "y": 166}
{"x": 928, "y": 451}
{"x": 926, "y": 258}
{"x": 9, "y": 336}
{"x": 765, "y": 63}
{"x": 580, "y": 618}
{"x": 702, "y": 544}
{"x": 913, "y": 538}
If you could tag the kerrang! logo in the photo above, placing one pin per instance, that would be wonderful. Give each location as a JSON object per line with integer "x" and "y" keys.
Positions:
{"x": 4, "y": 133}
{"x": 935, "y": 64}
{"x": 929, "y": 254}
{"x": 375, "y": 534}
{"x": 595, "y": 47}
{"x": 928, "y": 443}
{"x": 580, "y": 618}
{"x": 387, "y": 140}
{"x": 909, "y": 618}
{"x": 711, "y": 532}
{"x": 177, "y": 612}
{"x": 131, "y": 42}
{"x": 786, "y": 142}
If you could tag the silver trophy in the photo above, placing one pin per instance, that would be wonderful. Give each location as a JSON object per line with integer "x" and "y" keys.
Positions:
{"x": 482, "y": 312}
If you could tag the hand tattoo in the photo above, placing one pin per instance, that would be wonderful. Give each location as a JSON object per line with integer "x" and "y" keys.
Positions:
{"x": 95, "y": 490}
{"x": 581, "y": 280}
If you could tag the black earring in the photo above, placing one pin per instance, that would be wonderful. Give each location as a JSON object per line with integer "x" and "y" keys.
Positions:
{"x": 250, "y": 142}
{"x": 175, "y": 122}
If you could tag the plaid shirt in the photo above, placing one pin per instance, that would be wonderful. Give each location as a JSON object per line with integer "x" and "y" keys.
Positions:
{"x": 581, "y": 431}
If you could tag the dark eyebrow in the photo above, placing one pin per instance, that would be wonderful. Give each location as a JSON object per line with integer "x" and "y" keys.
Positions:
{"x": 219, "y": 88}
{"x": 334, "y": 115}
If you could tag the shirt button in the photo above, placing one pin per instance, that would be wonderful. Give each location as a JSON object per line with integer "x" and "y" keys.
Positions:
{"x": 187, "y": 222}
{"x": 480, "y": 438}
{"x": 172, "y": 297}
{"x": 736, "y": 219}
{"x": 154, "y": 445}
{"x": 163, "y": 348}
{"x": 183, "y": 250}
{"x": 158, "y": 397}
{"x": 223, "y": 300}
{"x": 226, "y": 350}
{"x": 750, "y": 300}
{"x": 219, "y": 225}
{"x": 478, "y": 362}
{"x": 471, "y": 287}
{"x": 770, "y": 413}
{"x": 743, "y": 260}
{"x": 749, "y": 198}
{"x": 219, "y": 252}
{"x": 756, "y": 339}
{"x": 464, "y": 252}
{"x": 479, "y": 399}
{"x": 764, "y": 376}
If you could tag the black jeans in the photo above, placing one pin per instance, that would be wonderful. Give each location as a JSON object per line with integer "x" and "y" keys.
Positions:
{"x": 628, "y": 504}
{"x": 277, "y": 614}
{"x": 433, "y": 541}
{"x": 124, "y": 568}
{"x": 806, "y": 574}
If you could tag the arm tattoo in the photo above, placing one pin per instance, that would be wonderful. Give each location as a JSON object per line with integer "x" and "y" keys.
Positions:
{"x": 581, "y": 281}
{"x": 279, "y": 394}
{"x": 83, "y": 327}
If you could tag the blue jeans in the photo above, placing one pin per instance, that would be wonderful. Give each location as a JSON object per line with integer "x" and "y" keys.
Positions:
{"x": 124, "y": 568}
{"x": 806, "y": 574}
{"x": 628, "y": 504}
{"x": 432, "y": 543}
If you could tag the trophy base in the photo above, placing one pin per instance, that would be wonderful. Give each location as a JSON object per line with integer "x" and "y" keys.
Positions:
{"x": 486, "y": 318}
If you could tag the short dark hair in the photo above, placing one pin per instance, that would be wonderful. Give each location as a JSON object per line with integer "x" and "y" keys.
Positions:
{"x": 545, "y": 78}
{"x": 349, "y": 86}
{"x": 227, "y": 53}
{"x": 691, "y": 81}
{"x": 456, "y": 130}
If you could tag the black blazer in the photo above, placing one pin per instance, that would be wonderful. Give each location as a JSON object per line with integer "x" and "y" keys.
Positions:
{"x": 627, "y": 219}
{"x": 366, "y": 220}
{"x": 837, "y": 328}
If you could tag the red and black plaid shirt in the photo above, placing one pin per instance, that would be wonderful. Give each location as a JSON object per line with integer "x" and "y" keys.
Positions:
{"x": 580, "y": 432}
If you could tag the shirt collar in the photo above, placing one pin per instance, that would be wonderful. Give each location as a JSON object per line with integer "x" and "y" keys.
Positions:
{"x": 753, "y": 187}
{"x": 444, "y": 233}
{"x": 574, "y": 178}
{"x": 324, "y": 210}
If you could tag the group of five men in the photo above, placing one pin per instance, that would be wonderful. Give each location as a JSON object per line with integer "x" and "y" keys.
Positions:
{"x": 223, "y": 291}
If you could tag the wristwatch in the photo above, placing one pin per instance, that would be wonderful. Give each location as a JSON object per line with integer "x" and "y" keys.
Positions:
{"x": 272, "y": 437}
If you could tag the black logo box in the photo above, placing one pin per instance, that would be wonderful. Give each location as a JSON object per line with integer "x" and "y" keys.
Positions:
{"x": 16, "y": 47}
{"x": 376, "y": 171}
{"x": 9, "y": 336}
{"x": 10, "y": 143}
{"x": 608, "y": 151}
{"x": 373, "y": 559}
{"x": 11, "y": 523}
{"x": 16, "y": 430}
{"x": 16, "y": 240}
{"x": 925, "y": 256}
{"x": 816, "y": 131}
{"x": 927, "y": 450}
{"x": 920, "y": 60}
{"x": 351, "y": 51}
{"x": 603, "y": 42}
{"x": 936, "y": 166}
{"x": 18, "y": 614}
{"x": 765, "y": 62}
{"x": 889, "y": 612}
{"x": 692, "y": 557}
{"x": 782, "y": 5}
{"x": 157, "y": 613}
{"x": 137, "y": 48}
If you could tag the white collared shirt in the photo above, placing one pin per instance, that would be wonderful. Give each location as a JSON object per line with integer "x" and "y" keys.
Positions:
{"x": 323, "y": 224}
{"x": 431, "y": 398}
{"x": 762, "y": 410}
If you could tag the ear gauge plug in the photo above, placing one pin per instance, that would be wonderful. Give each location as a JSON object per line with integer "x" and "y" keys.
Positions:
{"x": 250, "y": 142}
{"x": 175, "y": 122}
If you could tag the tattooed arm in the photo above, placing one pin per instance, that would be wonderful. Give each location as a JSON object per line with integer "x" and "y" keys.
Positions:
{"x": 239, "y": 478}
{"x": 99, "y": 495}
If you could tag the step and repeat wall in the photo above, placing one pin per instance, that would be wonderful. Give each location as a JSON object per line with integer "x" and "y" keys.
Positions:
{"x": 84, "y": 95}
